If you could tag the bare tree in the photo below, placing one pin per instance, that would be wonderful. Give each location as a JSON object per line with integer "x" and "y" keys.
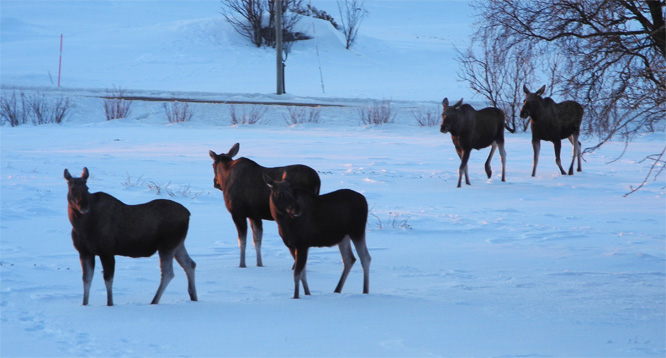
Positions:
{"x": 352, "y": 13}
{"x": 497, "y": 73}
{"x": 612, "y": 56}
{"x": 246, "y": 17}
{"x": 290, "y": 17}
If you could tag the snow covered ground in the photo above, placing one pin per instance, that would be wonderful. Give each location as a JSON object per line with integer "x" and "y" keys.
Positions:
{"x": 533, "y": 267}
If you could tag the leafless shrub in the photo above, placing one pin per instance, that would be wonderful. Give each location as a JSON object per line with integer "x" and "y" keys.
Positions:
{"x": 61, "y": 109}
{"x": 352, "y": 13}
{"x": 13, "y": 109}
{"x": 36, "y": 107}
{"x": 426, "y": 117}
{"x": 133, "y": 183}
{"x": 115, "y": 104}
{"x": 177, "y": 112}
{"x": 379, "y": 113}
{"x": 312, "y": 11}
{"x": 253, "y": 115}
{"x": 394, "y": 221}
{"x": 167, "y": 189}
{"x": 153, "y": 186}
{"x": 299, "y": 115}
{"x": 159, "y": 189}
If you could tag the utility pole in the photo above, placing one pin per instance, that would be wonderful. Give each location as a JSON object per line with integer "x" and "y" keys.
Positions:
{"x": 278, "y": 46}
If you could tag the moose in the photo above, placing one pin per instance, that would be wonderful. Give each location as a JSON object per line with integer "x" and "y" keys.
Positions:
{"x": 307, "y": 220}
{"x": 553, "y": 122}
{"x": 246, "y": 196}
{"x": 104, "y": 226}
{"x": 472, "y": 129}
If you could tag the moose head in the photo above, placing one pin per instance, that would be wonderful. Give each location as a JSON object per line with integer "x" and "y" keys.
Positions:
{"x": 78, "y": 195}
{"x": 221, "y": 163}
{"x": 449, "y": 116}
{"x": 284, "y": 199}
{"x": 532, "y": 102}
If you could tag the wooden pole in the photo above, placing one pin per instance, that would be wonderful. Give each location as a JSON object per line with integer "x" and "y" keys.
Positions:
{"x": 278, "y": 46}
{"x": 60, "y": 61}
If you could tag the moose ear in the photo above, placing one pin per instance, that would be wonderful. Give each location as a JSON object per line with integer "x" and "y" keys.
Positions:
{"x": 458, "y": 104}
{"x": 234, "y": 150}
{"x": 541, "y": 90}
{"x": 526, "y": 90}
{"x": 85, "y": 173}
{"x": 269, "y": 181}
{"x": 67, "y": 175}
{"x": 212, "y": 155}
{"x": 445, "y": 102}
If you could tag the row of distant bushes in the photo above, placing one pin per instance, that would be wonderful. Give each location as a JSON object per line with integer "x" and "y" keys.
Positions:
{"x": 37, "y": 108}
{"x": 17, "y": 109}
{"x": 381, "y": 112}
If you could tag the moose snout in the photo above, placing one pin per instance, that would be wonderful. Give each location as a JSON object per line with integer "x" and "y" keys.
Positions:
{"x": 81, "y": 207}
{"x": 444, "y": 129}
{"x": 294, "y": 212}
{"x": 523, "y": 113}
{"x": 215, "y": 184}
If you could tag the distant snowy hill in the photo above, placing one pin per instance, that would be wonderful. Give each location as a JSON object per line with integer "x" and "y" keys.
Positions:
{"x": 404, "y": 49}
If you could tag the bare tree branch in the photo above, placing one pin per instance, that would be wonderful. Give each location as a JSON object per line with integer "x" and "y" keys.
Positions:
{"x": 612, "y": 56}
{"x": 498, "y": 73}
{"x": 657, "y": 160}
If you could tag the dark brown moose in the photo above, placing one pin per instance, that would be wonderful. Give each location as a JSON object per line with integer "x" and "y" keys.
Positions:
{"x": 246, "y": 196}
{"x": 307, "y": 220}
{"x": 103, "y": 226}
{"x": 553, "y": 122}
{"x": 472, "y": 129}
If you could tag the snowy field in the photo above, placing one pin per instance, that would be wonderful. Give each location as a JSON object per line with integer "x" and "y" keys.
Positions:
{"x": 545, "y": 266}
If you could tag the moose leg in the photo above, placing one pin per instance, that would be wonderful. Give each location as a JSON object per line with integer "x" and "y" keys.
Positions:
{"x": 257, "y": 233}
{"x": 580, "y": 152}
{"x": 536, "y": 146}
{"x": 576, "y": 153}
{"x": 304, "y": 281}
{"x": 109, "y": 267}
{"x": 467, "y": 175}
{"x": 88, "y": 268}
{"x": 301, "y": 259}
{"x": 364, "y": 255}
{"x": 186, "y": 262}
{"x": 463, "y": 167}
{"x": 166, "y": 268}
{"x": 241, "y": 227}
{"x": 503, "y": 159}
{"x": 348, "y": 260}
{"x": 489, "y": 171}
{"x": 557, "y": 144}
{"x": 292, "y": 251}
